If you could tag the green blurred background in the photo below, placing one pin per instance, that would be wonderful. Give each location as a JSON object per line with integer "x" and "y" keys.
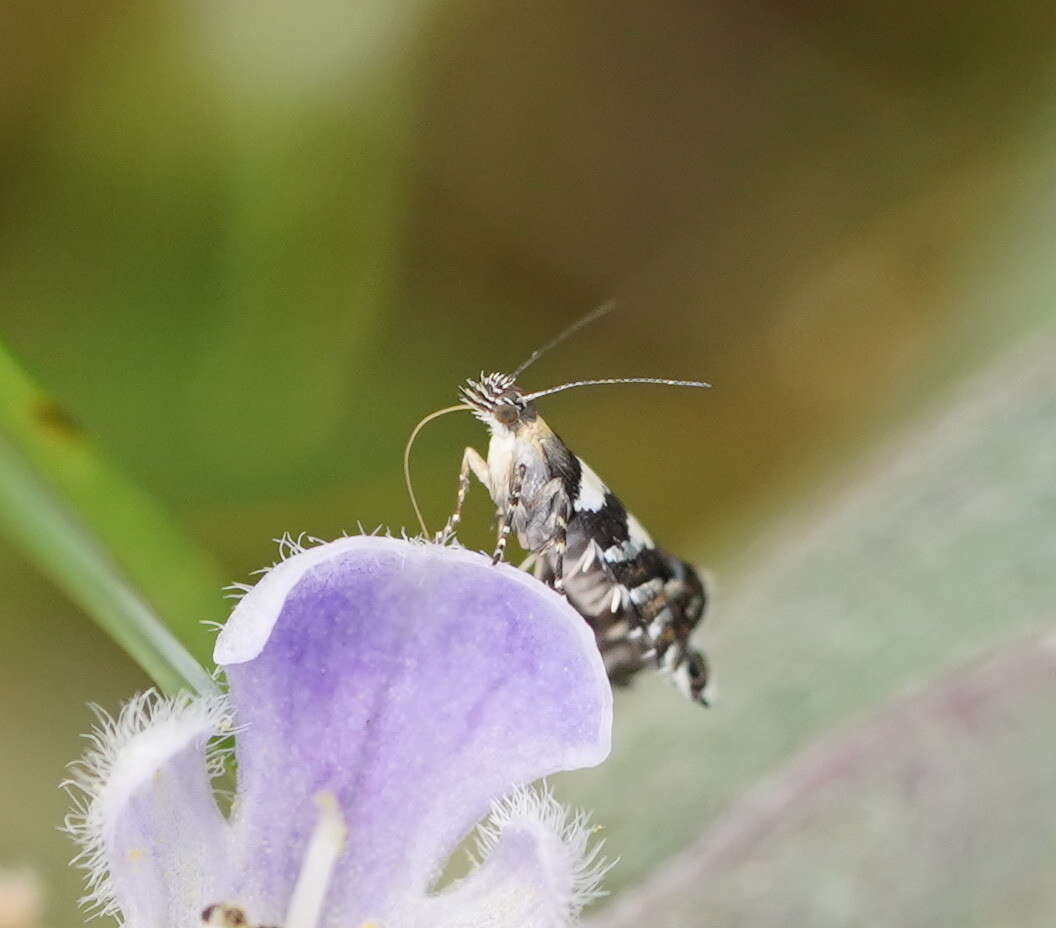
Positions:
{"x": 245, "y": 246}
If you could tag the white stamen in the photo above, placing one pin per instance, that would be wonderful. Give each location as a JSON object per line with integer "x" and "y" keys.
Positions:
{"x": 324, "y": 847}
{"x": 617, "y": 598}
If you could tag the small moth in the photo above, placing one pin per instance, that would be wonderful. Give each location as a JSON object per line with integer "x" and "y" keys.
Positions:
{"x": 641, "y": 602}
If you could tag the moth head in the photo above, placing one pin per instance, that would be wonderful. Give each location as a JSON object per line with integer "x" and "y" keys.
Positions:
{"x": 497, "y": 401}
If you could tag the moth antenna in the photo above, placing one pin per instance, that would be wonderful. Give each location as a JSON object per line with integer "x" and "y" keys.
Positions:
{"x": 610, "y": 380}
{"x": 571, "y": 330}
{"x": 407, "y": 457}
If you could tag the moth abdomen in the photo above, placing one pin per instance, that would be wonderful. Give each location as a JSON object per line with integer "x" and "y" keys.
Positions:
{"x": 642, "y": 602}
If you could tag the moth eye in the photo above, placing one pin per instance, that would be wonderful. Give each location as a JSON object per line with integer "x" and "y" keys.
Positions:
{"x": 506, "y": 414}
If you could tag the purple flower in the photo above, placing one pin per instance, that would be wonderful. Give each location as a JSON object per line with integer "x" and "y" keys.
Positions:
{"x": 383, "y": 694}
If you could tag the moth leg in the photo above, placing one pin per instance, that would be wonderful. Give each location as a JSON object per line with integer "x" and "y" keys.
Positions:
{"x": 649, "y": 613}
{"x": 506, "y": 522}
{"x": 552, "y": 499}
{"x": 560, "y": 543}
{"x": 692, "y": 676}
{"x": 472, "y": 462}
{"x": 538, "y": 566}
{"x": 551, "y": 570}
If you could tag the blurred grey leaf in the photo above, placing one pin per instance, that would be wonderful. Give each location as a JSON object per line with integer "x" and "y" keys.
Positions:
{"x": 938, "y": 551}
{"x": 938, "y": 810}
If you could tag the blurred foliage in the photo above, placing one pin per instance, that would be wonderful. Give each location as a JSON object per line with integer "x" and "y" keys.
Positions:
{"x": 937, "y": 812}
{"x": 245, "y": 246}
{"x": 937, "y": 551}
{"x": 42, "y": 445}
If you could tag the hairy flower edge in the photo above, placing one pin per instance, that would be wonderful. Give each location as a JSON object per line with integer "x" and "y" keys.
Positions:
{"x": 577, "y": 867}
{"x": 123, "y": 752}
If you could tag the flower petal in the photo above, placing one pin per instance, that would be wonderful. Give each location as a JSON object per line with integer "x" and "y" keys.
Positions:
{"x": 413, "y": 682}
{"x": 152, "y": 837}
{"x": 539, "y": 871}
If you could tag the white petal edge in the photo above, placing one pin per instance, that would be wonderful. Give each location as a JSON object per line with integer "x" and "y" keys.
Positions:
{"x": 537, "y": 865}
{"x": 573, "y": 858}
{"x": 123, "y": 753}
{"x": 246, "y": 632}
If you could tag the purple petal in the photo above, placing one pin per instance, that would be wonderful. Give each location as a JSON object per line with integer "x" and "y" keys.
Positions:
{"x": 415, "y": 683}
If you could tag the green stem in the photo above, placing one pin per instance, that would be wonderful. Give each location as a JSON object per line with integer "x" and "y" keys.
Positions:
{"x": 100, "y": 538}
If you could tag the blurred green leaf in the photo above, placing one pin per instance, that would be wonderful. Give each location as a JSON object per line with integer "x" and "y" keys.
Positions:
{"x": 100, "y": 538}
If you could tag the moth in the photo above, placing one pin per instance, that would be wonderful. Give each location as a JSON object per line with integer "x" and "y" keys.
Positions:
{"x": 642, "y": 602}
